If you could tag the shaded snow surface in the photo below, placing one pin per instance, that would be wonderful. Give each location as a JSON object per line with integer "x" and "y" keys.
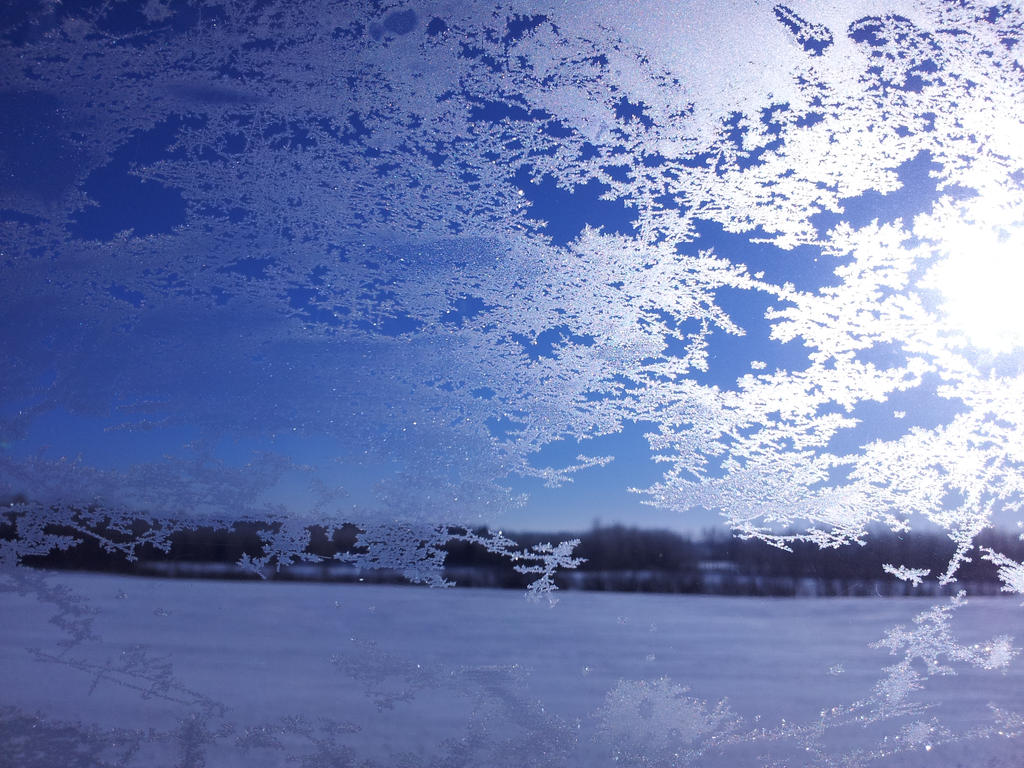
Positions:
{"x": 253, "y": 674}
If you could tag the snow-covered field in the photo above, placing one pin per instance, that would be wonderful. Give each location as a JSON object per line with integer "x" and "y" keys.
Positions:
{"x": 241, "y": 673}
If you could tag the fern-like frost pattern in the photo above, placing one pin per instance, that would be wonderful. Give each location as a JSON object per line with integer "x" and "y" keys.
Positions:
{"x": 353, "y": 251}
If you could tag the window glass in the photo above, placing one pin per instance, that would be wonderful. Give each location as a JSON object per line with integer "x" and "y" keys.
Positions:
{"x": 309, "y": 306}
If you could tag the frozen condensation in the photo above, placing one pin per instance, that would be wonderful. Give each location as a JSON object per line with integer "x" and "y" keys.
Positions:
{"x": 350, "y": 265}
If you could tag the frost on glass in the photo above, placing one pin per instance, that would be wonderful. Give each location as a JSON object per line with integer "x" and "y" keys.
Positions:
{"x": 331, "y": 276}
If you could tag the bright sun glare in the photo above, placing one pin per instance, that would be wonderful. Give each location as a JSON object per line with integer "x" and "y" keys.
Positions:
{"x": 980, "y": 281}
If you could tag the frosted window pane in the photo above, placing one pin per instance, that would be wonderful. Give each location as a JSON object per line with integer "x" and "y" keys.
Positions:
{"x": 414, "y": 277}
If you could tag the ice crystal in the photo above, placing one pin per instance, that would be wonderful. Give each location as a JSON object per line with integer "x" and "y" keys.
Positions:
{"x": 414, "y": 299}
{"x": 655, "y": 722}
{"x": 262, "y": 247}
{"x": 913, "y": 575}
{"x": 932, "y": 641}
{"x": 1011, "y": 573}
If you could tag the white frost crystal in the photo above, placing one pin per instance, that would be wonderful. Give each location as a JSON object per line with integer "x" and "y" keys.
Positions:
{"x": 363, "y": 279}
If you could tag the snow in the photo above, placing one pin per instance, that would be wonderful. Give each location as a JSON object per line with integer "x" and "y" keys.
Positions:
{"x": 458, "y": 675}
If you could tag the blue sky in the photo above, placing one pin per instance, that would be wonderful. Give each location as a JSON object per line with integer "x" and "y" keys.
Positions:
{"x": 598, "y": 494}
{"x": 215, "y": 243}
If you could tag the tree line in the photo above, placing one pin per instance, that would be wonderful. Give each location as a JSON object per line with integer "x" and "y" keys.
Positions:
{"x": 616, "y": 557}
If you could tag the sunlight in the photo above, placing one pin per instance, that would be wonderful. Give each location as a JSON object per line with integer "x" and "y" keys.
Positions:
{"x": 980, "y": 281}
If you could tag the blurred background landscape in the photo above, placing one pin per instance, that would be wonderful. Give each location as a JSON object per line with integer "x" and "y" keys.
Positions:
{"x": 616, "y": 558}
